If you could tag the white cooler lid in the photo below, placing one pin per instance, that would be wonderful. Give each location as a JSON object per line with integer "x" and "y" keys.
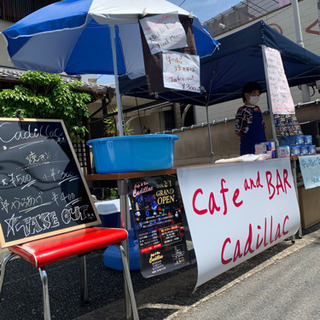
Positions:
{"x": 109, "y": 206}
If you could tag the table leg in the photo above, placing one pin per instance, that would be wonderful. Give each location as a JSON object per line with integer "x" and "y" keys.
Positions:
{"x": 126, "y": 224}
{"x": 295, "y": 180}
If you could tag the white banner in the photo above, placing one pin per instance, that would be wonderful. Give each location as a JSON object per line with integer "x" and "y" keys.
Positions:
{"x": 237, "y": 210}
{"x": 164, "y": 32}
{"x": 181, "y": 71}
{"x": 281, "y": 99}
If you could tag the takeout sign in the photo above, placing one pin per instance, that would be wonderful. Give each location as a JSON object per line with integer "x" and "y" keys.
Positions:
{"x": 164, "y": 32}
{"x": 181, "y": 71}
{"x": 42, "y": 189}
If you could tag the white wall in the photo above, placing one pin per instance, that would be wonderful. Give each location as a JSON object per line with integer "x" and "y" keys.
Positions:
{"x": 4, "y": 56}
{"x": 282, "y": 20}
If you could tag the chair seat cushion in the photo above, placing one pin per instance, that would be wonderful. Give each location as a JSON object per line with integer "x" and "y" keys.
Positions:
{"x": 48, "y": 250}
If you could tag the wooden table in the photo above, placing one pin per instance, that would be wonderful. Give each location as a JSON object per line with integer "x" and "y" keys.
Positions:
{"x": 129, "y": 175}
{"x": 121, "y": 179}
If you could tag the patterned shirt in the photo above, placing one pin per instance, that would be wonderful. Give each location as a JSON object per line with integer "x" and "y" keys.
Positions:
{"x": 244, "y": 118}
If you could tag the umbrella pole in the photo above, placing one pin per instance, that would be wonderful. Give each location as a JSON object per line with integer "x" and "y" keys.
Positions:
{"x": 115, "y": 68}
{"x": 122, "y": 186}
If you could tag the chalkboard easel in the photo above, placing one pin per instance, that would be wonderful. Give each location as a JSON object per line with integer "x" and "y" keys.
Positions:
{"x": 42, "y": 189}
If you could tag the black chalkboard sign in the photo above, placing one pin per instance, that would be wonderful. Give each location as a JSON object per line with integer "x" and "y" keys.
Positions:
{"x": 42, "y": 188}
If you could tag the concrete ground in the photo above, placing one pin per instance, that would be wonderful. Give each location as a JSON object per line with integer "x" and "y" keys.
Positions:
{"x": 280, "y": 283}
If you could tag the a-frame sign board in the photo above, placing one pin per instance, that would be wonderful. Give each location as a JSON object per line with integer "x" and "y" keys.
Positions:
{"x": 42, "y": 188}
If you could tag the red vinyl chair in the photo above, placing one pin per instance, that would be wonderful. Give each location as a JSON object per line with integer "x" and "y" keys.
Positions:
{"x": 43, "y": 252}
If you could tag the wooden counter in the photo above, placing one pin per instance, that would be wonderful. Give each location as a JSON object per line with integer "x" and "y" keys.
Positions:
{"x": 129, "y": 175}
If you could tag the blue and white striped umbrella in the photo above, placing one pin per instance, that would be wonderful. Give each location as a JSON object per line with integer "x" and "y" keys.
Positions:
{"x": 91, "y": 36}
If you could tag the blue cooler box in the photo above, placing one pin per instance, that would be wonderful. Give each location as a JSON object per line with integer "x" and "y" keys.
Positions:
{"x": 109, "y": 212}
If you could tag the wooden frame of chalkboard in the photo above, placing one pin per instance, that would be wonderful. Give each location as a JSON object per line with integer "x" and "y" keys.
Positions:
{"x": 42, "y": 188}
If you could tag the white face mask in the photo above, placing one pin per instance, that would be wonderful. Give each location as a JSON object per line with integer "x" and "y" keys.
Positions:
{"x": 254, "y": 100}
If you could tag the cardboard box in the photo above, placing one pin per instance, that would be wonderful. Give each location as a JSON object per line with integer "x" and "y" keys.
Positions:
{"x": 309, "y": 203}
{"x": 265, "y": 148}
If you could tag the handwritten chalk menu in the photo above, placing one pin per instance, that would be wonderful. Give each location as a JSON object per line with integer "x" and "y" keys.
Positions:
{"x": 310, "y": 171}
{"x": 281, "y": 99}
{"x": 158, "y": 222}
{"x": 181, "y": 71}
{"x": 164, "y": 32}
{"x": 42, "y": 190}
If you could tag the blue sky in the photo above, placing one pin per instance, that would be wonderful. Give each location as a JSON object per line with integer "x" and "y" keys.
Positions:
{"x": 203, "y": 9}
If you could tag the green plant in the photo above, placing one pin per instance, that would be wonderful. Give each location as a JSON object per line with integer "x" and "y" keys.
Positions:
{"x": 112, "y": 193}
{"x": 111, "y": 125}
{"x": 111, "y": 131}
{"x": 47, "y": 96}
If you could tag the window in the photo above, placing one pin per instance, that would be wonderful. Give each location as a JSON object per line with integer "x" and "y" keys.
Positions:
{"x": 14, "y": 10}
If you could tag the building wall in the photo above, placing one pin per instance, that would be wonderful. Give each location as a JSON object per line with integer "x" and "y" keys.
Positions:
{"x": 282, "y": 20}
{"x": 145, "y": 123}
{"x": 4, "y": 56}
{"x": 193, "y": 145}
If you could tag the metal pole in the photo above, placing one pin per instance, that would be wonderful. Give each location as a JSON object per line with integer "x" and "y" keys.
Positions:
{"x": 125, "y": 223}
{"x": 207, "y": 111}
{"x": 209, "y": 133}
{"x": 273, "y": 127}
{"x": 128, "y": 284}
{"x": 115, "y": 68}
{"x": 297, "y": 24}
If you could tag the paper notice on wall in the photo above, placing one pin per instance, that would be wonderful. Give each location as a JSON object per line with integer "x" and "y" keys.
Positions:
{"x": 181, "y": 71}
{"x": 164, "y": 32}
{"x": 281, "y": 99}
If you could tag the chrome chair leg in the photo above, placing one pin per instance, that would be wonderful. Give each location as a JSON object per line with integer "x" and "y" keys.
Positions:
{"x": 128, "y": 282}
{"x": 84, "y": 280}
{"x": 45, "y": 290}
{"x": 3, "y": 270}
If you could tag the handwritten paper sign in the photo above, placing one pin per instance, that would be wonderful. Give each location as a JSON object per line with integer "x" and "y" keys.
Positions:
{"x": 237, "y": 210}
{"x": 310, "y": 170}
{"x": 181, "y": 71}
{"x": 42, "y": 189}
{"x": 281, "y": 99}
{"x": 158, "y": 222}
{"x": 164, "y": 32}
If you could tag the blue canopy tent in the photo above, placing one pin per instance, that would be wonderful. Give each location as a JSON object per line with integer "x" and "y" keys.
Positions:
{"x": 238, "y": 60}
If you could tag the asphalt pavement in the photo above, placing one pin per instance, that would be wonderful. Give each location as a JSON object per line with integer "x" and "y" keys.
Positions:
{"x": 280, "y": 283}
